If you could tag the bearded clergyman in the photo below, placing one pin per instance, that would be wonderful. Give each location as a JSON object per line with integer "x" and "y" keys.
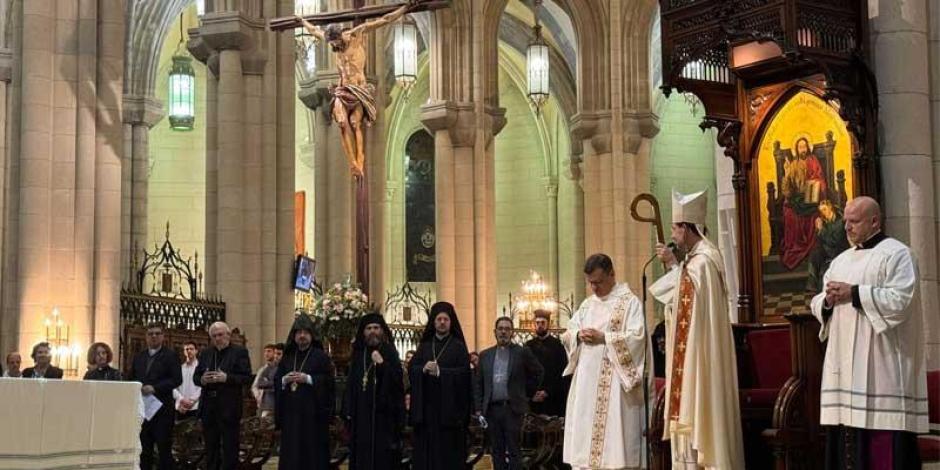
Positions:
{"x": 374, "y": 404}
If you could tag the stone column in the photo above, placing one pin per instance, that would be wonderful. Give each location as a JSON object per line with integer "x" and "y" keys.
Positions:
{"x": 932, "y": 326}
{"x": 395, "y": 251}
{"x": 104, "y": 226}
{"x": 900, "y": 44}
{"x": 280, "y": 95}
{"x": 551, "y": 192}
{"x": 35, "y": 174}
{"x": 229, "y": 235}
{"x": 8, "y": 324}
{"x": 612, "y": 133}
{"x": 307, "y": 175}
{"x": 611, "y": 179}
{"x": 140, "y": 115}
{"x": 210, "y": 275}
{"x": 68, "y": 201}
{"x": 250, "y": 172}
{"x": 465, "y": 216}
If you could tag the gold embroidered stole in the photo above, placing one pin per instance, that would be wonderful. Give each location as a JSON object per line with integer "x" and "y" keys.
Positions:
{"x": 599, "y": 428}
{"x": 683, "y": 322}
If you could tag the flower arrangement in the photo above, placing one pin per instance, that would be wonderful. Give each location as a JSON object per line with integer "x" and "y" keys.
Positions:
{"x": 337, "y": 311}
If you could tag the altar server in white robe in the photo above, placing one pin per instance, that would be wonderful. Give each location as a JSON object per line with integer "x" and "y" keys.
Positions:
{"x": 874, "y": 383}
{"x": 605, "y": 342}
{"x": 702, "y": 415}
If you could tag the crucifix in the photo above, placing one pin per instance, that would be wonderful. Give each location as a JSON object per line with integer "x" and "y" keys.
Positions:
{"x": 352, "y": 105}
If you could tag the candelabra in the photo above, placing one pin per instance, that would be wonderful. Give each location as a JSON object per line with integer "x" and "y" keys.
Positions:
{"x": 64, "y": 354}
{"x": 535, "y": 296}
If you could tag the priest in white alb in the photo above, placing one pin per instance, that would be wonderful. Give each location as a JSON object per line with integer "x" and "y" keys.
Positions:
{"x": 874, "y": 384}
{"x": 606, "y": 345}
{"x": 702, "y": 415}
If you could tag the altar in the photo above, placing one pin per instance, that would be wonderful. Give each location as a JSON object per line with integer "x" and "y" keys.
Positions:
{"x": 54, "y": 424}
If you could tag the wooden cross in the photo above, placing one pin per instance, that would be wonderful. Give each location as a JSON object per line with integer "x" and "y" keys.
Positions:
{"x": 355, "y": 15}
{"x": 359, "y": 14}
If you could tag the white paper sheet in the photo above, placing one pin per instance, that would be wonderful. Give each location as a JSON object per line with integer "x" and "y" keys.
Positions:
{"x": 151, "y": 406}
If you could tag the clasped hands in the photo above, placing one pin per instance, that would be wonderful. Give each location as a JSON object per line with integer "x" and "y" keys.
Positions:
{"x": 213, "y": 377}
{"x": 295, "y": 377}
{"x": 591, "y": 336}
{"x": 432, "y": 368}
{"x": 837, "y": 293}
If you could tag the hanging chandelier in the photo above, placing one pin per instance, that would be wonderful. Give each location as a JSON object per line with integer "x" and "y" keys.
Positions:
{"x": 406, "y": 53}
{"x": 536, "y": 295}
{"x": 182, "y": 92}
{"x": 537, "y": 64}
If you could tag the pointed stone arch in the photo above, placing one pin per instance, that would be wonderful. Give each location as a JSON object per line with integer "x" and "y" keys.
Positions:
{"x": 148, "y": 23}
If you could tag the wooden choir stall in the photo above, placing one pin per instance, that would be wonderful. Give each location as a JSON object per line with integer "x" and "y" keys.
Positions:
{"x": 787, "y": 88}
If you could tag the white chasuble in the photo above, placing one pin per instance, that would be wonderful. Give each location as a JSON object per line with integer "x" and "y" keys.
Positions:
{"x": 604, "y": 421}
{"x": 702, "y": 414}
{"x": 874, "y": 374}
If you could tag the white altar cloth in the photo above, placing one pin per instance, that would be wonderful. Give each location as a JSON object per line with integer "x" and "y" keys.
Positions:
{"x": 63, "y": 424}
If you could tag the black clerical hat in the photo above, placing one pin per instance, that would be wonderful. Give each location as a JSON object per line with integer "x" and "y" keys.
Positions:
{"x": 302, "y": 321}
{"x": 371, "y": 319}
{"x": 436, "y": 309}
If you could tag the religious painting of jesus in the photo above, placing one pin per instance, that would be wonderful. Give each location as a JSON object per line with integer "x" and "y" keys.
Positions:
{"x": 805, "y": 176}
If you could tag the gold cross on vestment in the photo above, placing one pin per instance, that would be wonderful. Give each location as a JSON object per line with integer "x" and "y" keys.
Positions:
{"x": 681, "y": 347}
{"x": 684, "y": 323}
{"x": 686, "y": 300}
{"x": 679, "y": 370}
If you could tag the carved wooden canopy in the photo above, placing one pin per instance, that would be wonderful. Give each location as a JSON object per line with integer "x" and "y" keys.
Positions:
{"x": 743, "y": 57}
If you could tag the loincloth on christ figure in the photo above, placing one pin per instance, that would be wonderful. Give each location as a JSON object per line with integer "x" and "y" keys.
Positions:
{"x": 351, "y": 96}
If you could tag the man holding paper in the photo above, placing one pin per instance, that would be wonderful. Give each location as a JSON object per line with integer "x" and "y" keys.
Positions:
{"x": 158, "y": 369}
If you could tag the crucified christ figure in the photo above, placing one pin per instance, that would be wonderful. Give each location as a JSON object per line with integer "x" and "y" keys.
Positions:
{"x": 353, "y": 102}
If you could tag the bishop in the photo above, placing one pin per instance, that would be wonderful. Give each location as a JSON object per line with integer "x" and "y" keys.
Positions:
{"x": 702, "y": 415}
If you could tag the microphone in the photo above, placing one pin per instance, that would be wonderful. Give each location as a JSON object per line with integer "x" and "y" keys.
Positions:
{"x": 671, "y": 246}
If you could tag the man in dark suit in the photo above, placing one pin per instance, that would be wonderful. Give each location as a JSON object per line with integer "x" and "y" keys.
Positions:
{"x": 158, "y": 369}
{"x": 507, "y": 378}
{"x": 42, "y": 356}
{"x": 224, "y": 369}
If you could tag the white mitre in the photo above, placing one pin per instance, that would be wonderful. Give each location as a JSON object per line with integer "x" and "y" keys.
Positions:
{"x": 690, "y": 208}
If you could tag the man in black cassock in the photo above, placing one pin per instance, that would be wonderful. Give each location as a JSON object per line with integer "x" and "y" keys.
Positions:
{"x": 551, "y": 396}
{"x": 440, "y": 393}
{"x": 374, "y": 403}
{"x": 304, "y": 404}
{"x": 223, "y": 370}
